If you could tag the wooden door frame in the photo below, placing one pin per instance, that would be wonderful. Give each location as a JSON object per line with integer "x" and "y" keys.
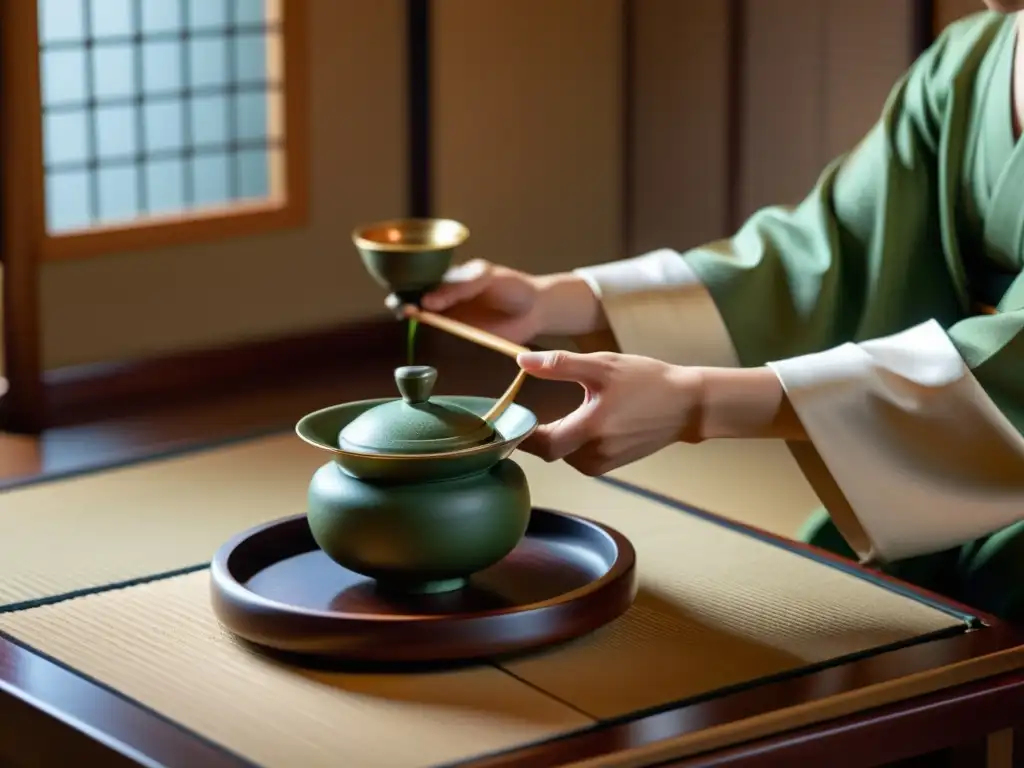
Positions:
{"x": 419, "y": 74}
{"x": 927, "y": 17}
{"x": 22, "y": 194}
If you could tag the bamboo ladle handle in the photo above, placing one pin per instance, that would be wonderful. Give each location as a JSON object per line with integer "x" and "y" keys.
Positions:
{"x": 484, "y": 339}
{"x": 503, "y": 402}
{"x": 465, "y": 331}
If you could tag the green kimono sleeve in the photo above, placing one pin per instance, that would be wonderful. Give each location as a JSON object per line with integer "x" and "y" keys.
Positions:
{"x": 856, "y": 299}
{"x": 864, "y": 255}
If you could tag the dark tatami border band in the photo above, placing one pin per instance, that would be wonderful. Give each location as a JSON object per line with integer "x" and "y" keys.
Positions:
{"x": 39, "y": 602}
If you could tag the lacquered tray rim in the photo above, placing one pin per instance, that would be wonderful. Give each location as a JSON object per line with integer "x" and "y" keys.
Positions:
{"x": 222, "y": 578}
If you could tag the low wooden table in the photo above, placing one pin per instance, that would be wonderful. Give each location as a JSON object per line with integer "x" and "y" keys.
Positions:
{"x": 49, "y": 715}
{"x": 958, "y": 685}
{"x": 900, "y": 695}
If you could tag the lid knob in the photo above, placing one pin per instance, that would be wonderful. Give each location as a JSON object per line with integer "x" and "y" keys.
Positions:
{"x": 416, "y": 382}
{"x": 415, "y": 424}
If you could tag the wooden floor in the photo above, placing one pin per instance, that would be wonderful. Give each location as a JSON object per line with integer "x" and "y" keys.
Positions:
{"x": 198, "y": 418}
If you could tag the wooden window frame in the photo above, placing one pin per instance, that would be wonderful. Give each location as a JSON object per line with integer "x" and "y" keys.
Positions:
{"x": 286, "y": 207}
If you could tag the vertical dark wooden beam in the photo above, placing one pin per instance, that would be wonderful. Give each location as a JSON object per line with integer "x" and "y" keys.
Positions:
{"x": 737, "y": 114}
{"x": 418, "y": 61}
{"x": 628, "y": 116}
{"x": 21, "y": 212}
{"x": 419, "y": 128}
{"x": 923, "y": 28}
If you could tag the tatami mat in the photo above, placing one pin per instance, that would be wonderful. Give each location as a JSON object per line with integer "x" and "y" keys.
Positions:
{"x": 756, "y": 482}
{"x": 158, "y": 516}
{"x": 145, "y": 518}
{"x": 716, "y": 608}
{"x": 160, "y": 644}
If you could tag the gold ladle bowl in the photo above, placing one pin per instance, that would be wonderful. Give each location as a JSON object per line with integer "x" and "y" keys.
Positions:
{"x": 409, "y": 257}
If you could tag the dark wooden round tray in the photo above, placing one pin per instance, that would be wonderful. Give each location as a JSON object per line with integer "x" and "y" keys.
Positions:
{"x": 273, "y": 587}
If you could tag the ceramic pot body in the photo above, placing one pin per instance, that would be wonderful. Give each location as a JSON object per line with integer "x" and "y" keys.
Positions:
{"x": 419, "y": 537}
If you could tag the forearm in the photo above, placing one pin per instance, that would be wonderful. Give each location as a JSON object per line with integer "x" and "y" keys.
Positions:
{"x": 746, "y": 403}
{"x": 569, "y": 306}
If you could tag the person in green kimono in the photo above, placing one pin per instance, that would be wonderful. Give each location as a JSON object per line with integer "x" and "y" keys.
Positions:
{"x": 847, "y": 325}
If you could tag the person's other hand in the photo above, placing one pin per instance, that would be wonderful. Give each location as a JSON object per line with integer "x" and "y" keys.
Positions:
{"x": 488, "y": 296}
{"x": 633, "y": 407}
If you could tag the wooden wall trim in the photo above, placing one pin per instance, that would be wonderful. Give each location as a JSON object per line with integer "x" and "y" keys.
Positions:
{"x": 923, "y": 33}
{"x": 80, "y": 394}
{"x": 736, "y": 114}
{"x": 628, "y": 99}
{"x": 23, "y": 404}
{"x": 682, "y": 123}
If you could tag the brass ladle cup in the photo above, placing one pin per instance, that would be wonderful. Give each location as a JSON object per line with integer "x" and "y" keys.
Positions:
{"x": 409, "y": 257}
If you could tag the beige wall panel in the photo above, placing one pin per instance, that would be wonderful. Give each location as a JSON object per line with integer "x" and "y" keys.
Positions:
{"x": 868, "y": 48}
{"x": 782, "y": 101}
{"x": 817, "y": 74}
{"x": 155, "y": 302}
{"x": 680, "y": 122}
{"x": 528, "y": 128}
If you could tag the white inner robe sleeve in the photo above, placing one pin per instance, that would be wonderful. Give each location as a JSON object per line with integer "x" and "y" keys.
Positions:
{"x": 924, "y": 457}
{"x": 657, "y": 307}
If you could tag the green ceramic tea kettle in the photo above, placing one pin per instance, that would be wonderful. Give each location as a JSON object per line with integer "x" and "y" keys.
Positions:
{"x": 420, "y": 492}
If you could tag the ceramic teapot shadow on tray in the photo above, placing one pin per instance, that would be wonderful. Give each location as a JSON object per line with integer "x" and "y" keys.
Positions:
{"x": 420, "y": 492}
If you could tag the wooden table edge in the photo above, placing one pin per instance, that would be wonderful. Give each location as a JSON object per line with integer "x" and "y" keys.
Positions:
{"x": 37, "y": 692}
{"x": 961, "y": 714}
{"x": 813, "y": 714}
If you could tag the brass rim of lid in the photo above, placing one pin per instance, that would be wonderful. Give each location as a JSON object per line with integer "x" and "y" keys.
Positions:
{"x": 437, "y": 445}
